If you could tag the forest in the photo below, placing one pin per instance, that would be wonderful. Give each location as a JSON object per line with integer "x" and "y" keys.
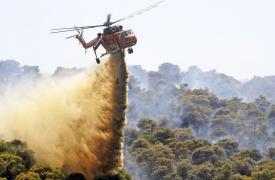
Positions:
{"x": 174, "y": 153}
{"x": 191, "y": 125}
{"x": 179, "y": 132}
{"x": 18, "y": 162}
{"x": 210, "y": 138}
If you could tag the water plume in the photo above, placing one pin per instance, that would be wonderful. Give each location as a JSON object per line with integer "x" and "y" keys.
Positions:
{"x": 74, "y": 123}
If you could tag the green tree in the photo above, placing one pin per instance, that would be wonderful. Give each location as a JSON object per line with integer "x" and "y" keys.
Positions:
{"x": 120, "y": 175}
{"x": 196, "y": 143}
{"x": 224, "y": 173}
{"x": 10, "y": 166}
{"x": 146, "y": 125}
{"x": 140, "y": 143}
{"x": 205, "y": 171}
{"x": 47, "y": 172}
{"x": 162, "y": 134}
{"x": 28, "y": 176}
{"x": 183, "y": 134}
{"x": 153, "y": 158}
{"x": 265, "y": 171}
{"x": 164, "y": 161}
{"x": 160, "y": 172}
{"x": 172, "y": 176}
{"x": 267, "y": 165}
{"x": 263, "y": 175}
{"x": 243, "y": 165}
{"x": 18, "y": 148}
{"x": 195, "y": 116}
{"x": 202, "y": 154}
{"x": 207, "y": 153}
{"x": 238, "y": 177}
{"x": 252, "y": 153}
{"x": 179, "y": 149}
{"x": 229, "y": 146}
{"x": 183, "y": 168}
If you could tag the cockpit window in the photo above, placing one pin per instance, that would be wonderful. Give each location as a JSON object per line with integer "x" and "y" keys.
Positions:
{"x": 124, "y": 35}
{"x": 130, "y": 32}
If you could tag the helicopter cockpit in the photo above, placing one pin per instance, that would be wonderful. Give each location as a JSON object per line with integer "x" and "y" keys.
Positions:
{"x": 113, "y": 29}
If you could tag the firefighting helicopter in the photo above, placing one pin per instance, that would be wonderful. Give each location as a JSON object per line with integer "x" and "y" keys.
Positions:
{"x": 114, "y": 38}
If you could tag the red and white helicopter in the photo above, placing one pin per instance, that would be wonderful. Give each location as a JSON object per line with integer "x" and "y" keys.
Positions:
{"x": 114, "y": 38}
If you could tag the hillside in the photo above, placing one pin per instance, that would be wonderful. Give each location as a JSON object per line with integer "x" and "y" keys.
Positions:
{"x": 159, "y": 153}
{"x": 186, "y": 125}
{"x": 220, "y": 84}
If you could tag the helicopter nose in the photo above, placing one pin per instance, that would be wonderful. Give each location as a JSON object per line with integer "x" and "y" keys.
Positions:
{"x": 132, "y": 38}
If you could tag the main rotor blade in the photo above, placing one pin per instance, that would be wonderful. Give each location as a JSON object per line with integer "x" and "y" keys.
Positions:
{"x": 61, "y": 31}
{"x": 77, "y": 27}
{"x": 73, "y": 29}
{"x": 139, "y": 12}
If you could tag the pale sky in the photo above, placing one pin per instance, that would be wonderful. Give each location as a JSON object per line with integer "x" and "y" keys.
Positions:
{"x": 235, "y": 37}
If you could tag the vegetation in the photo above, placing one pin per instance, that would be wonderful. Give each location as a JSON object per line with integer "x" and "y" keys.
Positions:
{"x": 193, "y": 134}
{"x": 182, "y": 133}
{"x": 174, "y": 153}
{"x": 121, "y": 175}
{"x": 251, "y": 124}
{"x": 17, "y": 163}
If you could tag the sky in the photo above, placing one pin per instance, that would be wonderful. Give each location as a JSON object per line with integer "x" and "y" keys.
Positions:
{"x": 235, "y": 37}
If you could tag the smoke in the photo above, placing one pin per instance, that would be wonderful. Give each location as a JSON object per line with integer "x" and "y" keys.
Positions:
{"x": 220, "y": 84}
{"x": 75, "y": 123}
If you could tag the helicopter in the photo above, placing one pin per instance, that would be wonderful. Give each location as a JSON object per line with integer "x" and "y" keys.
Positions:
{"x": 113, "y": 39}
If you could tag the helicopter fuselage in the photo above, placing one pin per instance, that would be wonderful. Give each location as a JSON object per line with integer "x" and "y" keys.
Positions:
{"x": 115, "y": 37}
